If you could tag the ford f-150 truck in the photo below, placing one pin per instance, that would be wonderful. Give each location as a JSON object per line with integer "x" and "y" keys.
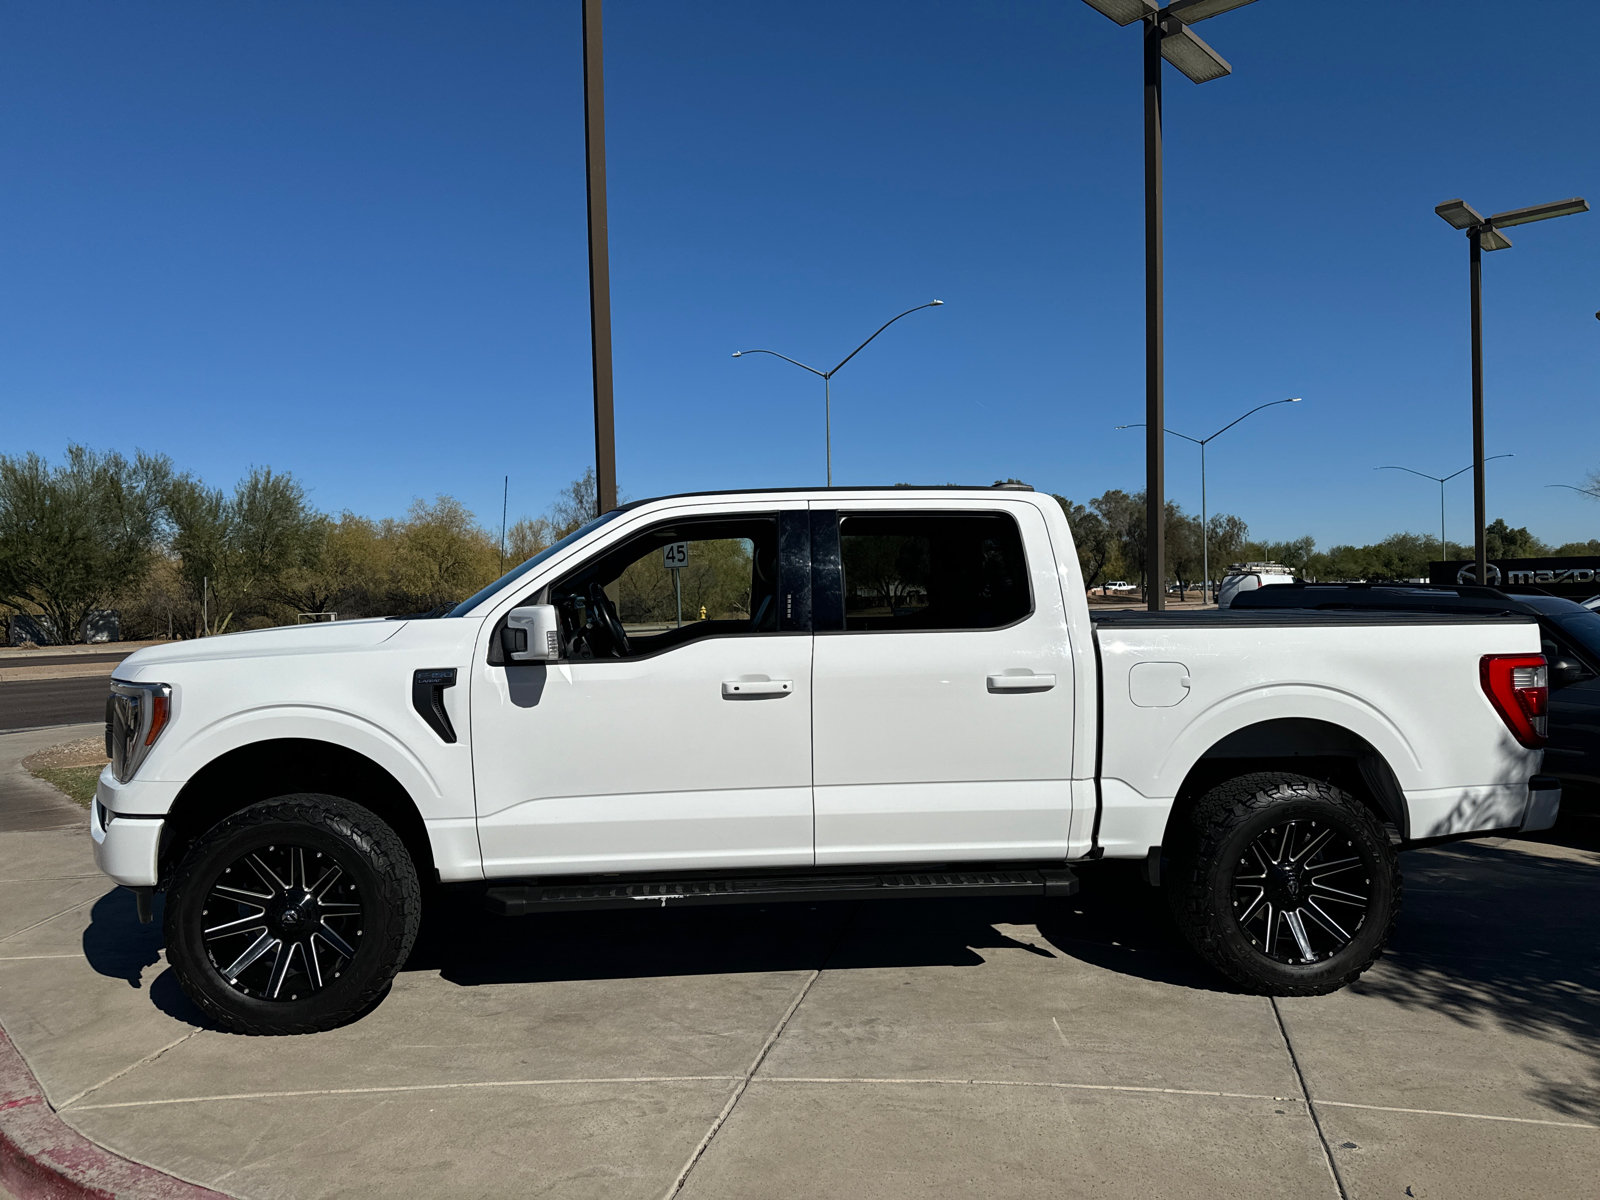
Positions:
{"x": 761, "y": 696}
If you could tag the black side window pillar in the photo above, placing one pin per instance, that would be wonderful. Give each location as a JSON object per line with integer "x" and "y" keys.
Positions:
{"x": 794, "y": 588}
{"x": 827, "y": 576}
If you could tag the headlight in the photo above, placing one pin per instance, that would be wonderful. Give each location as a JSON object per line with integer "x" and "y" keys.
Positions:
{"x": 136, "y": 713}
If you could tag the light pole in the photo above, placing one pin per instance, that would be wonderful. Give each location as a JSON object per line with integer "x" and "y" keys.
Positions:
{"x": 1205, "y": 534}
{"x": 827, "y": 376}
{"x": 1483, "y": 233}
{"x": 1441, "y": 480}
{"x": 594, "y": 136}
{"x": 1166, "y": 35}
{"x": 1574, "y": 488}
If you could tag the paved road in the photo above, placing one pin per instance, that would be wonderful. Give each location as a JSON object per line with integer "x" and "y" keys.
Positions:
{"x": 30, "y": 704}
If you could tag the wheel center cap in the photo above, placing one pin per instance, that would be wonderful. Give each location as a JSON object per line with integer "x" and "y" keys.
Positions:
{"x": 1284, "y": 887}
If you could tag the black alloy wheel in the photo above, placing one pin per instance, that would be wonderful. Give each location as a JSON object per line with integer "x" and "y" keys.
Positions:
{"x": 1301, "y": 891}
{"x": 282, "y": 922}
{"x": 292, "y": 915}
{"x": 1287, "y": 885}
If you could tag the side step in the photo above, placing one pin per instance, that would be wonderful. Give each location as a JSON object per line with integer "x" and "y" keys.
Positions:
{"x": 520, "y": 900}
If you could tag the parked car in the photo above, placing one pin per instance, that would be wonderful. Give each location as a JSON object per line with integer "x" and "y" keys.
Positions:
{"x": 1119, "y": 585}
{"x": 557, "y": 742}
{"x": 1570, "y": 642}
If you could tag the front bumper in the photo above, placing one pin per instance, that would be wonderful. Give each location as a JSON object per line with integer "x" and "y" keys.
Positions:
{"x": 126, "y": 843}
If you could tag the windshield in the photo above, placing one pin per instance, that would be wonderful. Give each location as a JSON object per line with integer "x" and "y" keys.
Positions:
{"x": 1583, "y": 628}
{"x": 477, "y": 598}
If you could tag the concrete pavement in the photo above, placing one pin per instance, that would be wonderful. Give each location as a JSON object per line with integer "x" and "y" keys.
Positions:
{"x": 1067, "y": 1048}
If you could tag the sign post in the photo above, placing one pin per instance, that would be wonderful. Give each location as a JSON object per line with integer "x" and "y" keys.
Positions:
{"x": 675, "y": 557}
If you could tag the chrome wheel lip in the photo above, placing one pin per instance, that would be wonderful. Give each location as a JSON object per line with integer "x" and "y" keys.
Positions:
{"x": 282, "y": 922}
{"x": 1301, "y": 890}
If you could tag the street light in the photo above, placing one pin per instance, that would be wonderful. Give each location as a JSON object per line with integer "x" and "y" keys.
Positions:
{"x": 1205, "y": 534}
{"x": 1166, "y": 35}
{"x": 1483, "y": 233}
{"x": 1444, "y": 552}
{"x": 827, "y": 376}
{"x": 1574, "y": 488}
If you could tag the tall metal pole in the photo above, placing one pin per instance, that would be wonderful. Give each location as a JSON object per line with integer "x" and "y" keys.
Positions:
{"x": 1155, "y": 555}
{"x": 594, "y": 128}
{"x": 827, "y": 420}
{"x": 1444, "y": 552}
{"x": 1479, "y": 508}
{"x": 1205, "y": 537}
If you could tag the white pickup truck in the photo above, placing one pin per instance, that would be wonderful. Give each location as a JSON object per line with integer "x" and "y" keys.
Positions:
{"x": 760, "y": 696}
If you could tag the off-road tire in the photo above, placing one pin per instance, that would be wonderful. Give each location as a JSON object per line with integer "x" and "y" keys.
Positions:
{"x": 373, "y": 859}
{"x": 1221, "y": 828}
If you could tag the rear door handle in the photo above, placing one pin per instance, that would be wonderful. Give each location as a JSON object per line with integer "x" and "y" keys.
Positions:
{"x": 733, "y": 689}
{"x": 1021, "y": 683}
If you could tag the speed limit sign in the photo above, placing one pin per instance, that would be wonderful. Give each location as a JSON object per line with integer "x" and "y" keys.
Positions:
{"x": 675, "y": 556}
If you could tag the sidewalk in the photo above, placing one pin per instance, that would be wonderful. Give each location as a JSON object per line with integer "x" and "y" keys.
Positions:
{"x": 897, "y": 1050}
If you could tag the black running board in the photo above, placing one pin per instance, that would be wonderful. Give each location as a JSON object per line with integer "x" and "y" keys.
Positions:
{"x": 520, "y": 900}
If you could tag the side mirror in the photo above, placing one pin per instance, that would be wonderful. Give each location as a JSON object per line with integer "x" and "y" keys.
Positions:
{"x": 532, "y": 634}
{"x": 1564, "y": 672}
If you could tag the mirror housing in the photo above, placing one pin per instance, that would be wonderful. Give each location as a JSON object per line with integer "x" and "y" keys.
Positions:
{"x": 1564, "y": 672}
{"x": 531, "y": 634}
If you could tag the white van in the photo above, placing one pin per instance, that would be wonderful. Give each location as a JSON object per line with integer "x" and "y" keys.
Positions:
{"x": 1247, "y": 577}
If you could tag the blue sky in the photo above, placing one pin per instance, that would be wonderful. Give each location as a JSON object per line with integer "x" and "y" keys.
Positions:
{"x": 347, "y": 240}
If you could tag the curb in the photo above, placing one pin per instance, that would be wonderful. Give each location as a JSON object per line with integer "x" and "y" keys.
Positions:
{"x": 44, "y": 1158}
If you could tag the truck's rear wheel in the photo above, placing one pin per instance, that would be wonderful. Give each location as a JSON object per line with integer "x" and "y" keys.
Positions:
{"x": 292, "y": 915}
{"x": 1286, "y": 885}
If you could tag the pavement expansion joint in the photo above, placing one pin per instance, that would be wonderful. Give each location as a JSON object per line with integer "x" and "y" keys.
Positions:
{"x": 51, "y": 917}
{"x": 1311, "y": 1109}
{"x": 148, "y": 1058}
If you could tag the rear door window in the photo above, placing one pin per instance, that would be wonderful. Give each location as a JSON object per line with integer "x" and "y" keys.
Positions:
{"x": 924, "y": 571}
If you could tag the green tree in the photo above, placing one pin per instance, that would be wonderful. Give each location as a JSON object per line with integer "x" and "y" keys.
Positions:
{"x": 240, "y": 556}
{"x": 1091, "y": 537}
{"x": 75, "y": 536}
{"x": 1501, "y": 541}
{"x": 442, "y": 555}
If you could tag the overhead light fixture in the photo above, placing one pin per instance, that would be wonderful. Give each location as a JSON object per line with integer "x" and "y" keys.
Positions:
{"x": 1183, "y": 48}
{"x": 1540, "y": 212}
{"x": 1459, "y": 213}
{"x": 1123, "y": 12}
{"x": 1190, "y": 11}
{"x": 1491, "y": 238}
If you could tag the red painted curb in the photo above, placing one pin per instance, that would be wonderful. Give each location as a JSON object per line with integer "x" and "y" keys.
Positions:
{"x": 44, "y": 1158}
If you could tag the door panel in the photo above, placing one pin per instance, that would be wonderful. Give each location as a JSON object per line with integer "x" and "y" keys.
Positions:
{"x": 917, "y": 756}
{"x": 694, "y": 753}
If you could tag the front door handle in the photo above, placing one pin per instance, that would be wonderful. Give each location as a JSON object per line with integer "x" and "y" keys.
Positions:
{"x": 1021, "y": 683}
{"x": 736, "y": 689}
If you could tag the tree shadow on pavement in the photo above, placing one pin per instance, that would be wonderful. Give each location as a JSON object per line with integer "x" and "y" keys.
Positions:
{"x": 1502, "y": 938}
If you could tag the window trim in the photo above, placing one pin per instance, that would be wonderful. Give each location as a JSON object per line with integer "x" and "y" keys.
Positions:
{"x": 787, "y": 521}
{"x": 839, "y": 516}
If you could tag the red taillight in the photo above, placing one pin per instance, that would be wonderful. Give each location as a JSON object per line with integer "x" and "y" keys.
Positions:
{"x": 161, "y": 709}
{"x": 1517, "y": 686}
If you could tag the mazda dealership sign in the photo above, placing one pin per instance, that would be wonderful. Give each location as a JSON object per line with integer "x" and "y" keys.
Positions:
{"x": 1574, "y": 578}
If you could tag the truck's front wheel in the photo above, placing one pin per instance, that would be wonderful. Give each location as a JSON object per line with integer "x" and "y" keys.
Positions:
{"x": 292, "y": 915}
{"x": 1285, "y": 884}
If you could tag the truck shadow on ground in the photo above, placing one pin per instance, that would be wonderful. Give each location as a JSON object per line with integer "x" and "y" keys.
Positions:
{"x": 1117, "y": 922}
